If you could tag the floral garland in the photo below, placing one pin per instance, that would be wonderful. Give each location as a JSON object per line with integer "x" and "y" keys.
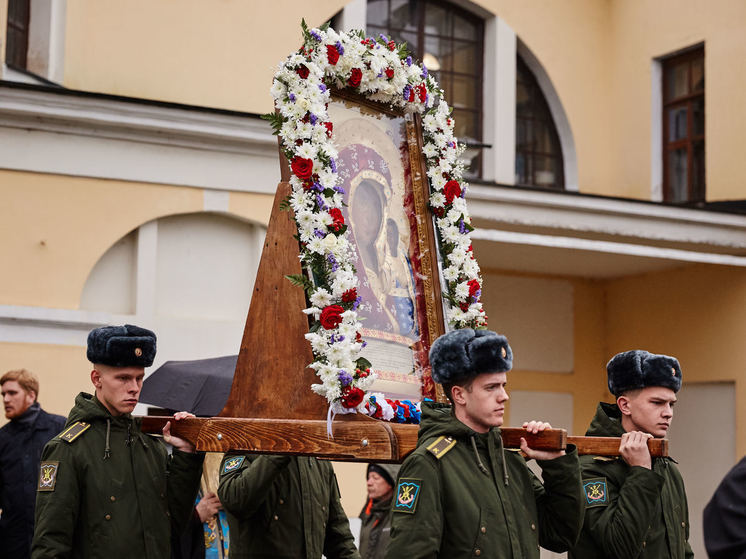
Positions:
{"x": 384, "y": 72}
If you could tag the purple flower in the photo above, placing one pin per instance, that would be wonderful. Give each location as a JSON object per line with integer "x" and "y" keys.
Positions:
{"x": 461, "y": 226}
{"x": 384, "y": 38}
{"x": 315, "y": 35}
{"x": 344, "y": 377}
{"x": 380, "y": 74}
{"x": 408, "y": 60}
{"x": 477, "y": 294}
{"x": 333, "y": 165}
{"x": 292, "y": 98}
{"x": 333, "y": 261}
{"x": 356, "y": 304}
{"x": 407, "y": 91}
{"x": 319, "y": 233}
{"x": 322, "y": 87}
{"x": 337, "y": 338}
{"x": 424, "y": 71}
{"x": 317, "y": 186}
{"x": 339, "y": 189}
{"x": 340, "y": 48}
{"x": 313, "y": 119}
{"x": 320, "y": 202}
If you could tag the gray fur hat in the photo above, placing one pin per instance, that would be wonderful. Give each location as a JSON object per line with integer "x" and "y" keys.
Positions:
{"x": 639, "y": 369}
{"x": 121, "y": 346}
{"x": 462, "y": 354}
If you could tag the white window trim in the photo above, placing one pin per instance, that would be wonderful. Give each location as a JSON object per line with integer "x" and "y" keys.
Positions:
{"x": 656, "y": 131}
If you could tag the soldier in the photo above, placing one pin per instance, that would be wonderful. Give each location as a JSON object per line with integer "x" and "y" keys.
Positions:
{"x": 724, "y": 518}
{"x": 375, "y": 530}
{"x": 460, "y": 493}
{"x": 105, "y": 489}
{"x": 21, "y": 441}
{"x": 284, "y": 507}
{"x": 635, "y": 506}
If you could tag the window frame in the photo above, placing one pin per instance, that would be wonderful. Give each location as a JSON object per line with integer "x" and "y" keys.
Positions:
{"x": 21, "y": 32}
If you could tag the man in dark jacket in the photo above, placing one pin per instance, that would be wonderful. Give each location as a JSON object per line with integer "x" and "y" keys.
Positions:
{"x": 284, "y": 507}
{"x": 21, "y": 442}
{"x": 375, "y": 529}
{"x": 636, "y": 507}
{"x": 105, "y": 489}
{"x": 460, "y": 493}
{"x": 725, "y": 517}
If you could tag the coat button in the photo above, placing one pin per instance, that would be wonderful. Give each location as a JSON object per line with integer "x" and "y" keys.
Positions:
{"x": 477, "y": 552}
{"x": 683, "y": 524}
{"x": 113, "y": 498}
{"x": 282, "y": 501}
{"x": 107, "y": 517}
{"x": 533, "y": 526}
{"x": 644, "y": 544}
{"x": 483, "y": 530}
{"x": 276, "y": 517}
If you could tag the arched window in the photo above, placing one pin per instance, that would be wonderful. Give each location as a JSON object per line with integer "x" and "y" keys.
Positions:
{"x": 538, "y": 154}
{"x": 450, "y": 42}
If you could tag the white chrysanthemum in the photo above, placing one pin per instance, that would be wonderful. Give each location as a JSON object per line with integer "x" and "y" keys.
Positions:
{"x": 321, "y": 298}
{"x": 438, "y": 199}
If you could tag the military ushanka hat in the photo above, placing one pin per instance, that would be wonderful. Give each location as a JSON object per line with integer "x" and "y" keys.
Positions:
{"x": 121, "y": 346}
{"x": 466, "y": 353}
{"x": 635, "y": 369}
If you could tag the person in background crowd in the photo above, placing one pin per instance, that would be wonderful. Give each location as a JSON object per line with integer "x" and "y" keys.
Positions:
{"x": 635, "y": 506}
{"x": 106, "y": 490}
{"x": 375, "y": 530}
{"x": 725, "y": 516}
{"x": 460, "y": 493}
{"x": 21, "y": 441}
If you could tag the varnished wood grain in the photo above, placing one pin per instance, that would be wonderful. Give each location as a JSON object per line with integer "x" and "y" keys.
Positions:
{"x": 609, "y": 446}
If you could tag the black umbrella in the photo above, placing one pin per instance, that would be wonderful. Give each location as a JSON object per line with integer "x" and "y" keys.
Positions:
{"x": 200, "y": 386}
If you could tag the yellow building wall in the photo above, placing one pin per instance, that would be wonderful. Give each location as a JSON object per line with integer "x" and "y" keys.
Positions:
{"x": 697, "y": 314}
{"x": 65, "y": 224}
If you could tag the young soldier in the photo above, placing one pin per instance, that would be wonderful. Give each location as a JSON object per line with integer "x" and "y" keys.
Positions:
{"x": 105, "y": 489}
{"x": 460, "y": 494}
{"x": 21, "y": 441}
{"x": 635, "y": 506}
{"x": 283, "y": 507}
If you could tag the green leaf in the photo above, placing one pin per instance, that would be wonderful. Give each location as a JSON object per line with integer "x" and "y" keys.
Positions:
{"x": 286, "y": 207}
{"x": 299, "y": 280}
{"x": 362, "y": 363}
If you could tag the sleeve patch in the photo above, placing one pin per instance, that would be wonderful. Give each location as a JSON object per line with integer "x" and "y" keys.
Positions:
{"x": 596, "y": 492}
{"x": 232, "y": 463}
{"x": 440, "y": 446}
{"x": 74, "y": 431}
{"x": 407, "y": 494}
{"x": 48, "y": 476}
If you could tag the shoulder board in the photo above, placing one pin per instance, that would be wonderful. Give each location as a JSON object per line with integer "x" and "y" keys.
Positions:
{"x": 74, "y": 431}
{"x": 604, "y": 459}
{"x": 440, "y": 446}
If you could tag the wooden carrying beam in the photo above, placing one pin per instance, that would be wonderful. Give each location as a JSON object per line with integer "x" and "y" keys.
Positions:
{"x": 359, "y": 439}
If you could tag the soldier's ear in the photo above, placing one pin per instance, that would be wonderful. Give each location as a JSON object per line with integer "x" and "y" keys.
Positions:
{"x": 457, "y": 393}
{"x": 96, "y": 378}
{"x": 623, "y": 402}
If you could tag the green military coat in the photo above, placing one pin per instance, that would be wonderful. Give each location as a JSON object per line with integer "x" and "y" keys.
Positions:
{"x": 283, "y": 507}
{"x": 375, "y": 528}
{"x": 631, "y": 512}
{"x": 117, "y": 505}
{"x": 457, "y": 501}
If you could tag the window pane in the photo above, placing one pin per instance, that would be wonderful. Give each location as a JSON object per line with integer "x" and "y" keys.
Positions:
{"x": 698, "y": 171}
{"x": 676, "y": 81}
{"x": 440, "y": 51}
{"x": 466, "y": 126}
{"x": 677, "y": 175}
{"x": 544, "y": 173}
{"x": 521, "y": 168}
{"x": 437, "y": 20}
{"x": 698, "y": 116}
{"x": 411, "y": 40}
{"x": 522, "y": 99}
{"x": 677, "y": 123}
{"x": 698, "y": 74}
{"x": 472, "y": 158}
{"x": 523, "y": 136}
{"x": 403, "y": 15}
{"x": 466, "y": 58}
{"x": 377, "y": 13}
{"x": 543, "y": 138}
{"x": 464, "y": 92}
{"x": 464, "y": 28}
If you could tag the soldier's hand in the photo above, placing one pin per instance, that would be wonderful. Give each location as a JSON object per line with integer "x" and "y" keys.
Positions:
{"x": 534, "y": 427}
{"x": 634, "y": 449}
{"x": 177, "y": 442}
{"x": 208, "y": 506}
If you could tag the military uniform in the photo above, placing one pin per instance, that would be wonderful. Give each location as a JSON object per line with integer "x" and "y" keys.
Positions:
{"x": 284, "y": 507}
{"x": 459, "y": 494}
{"x": 725, "y": 516}
{"x": 375, "y": 527}
{"x": 631, "y": 512}
{"x": 21, "y": 442}
{"x": 108, "y": 491}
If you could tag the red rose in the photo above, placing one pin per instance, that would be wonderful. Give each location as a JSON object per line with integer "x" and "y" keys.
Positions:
{"x": 452, "y": 189}
{"x": 302, "y": 168}
{"x": 331, "y": 316}
{"x": 352, "y": 396}
{"x": 338, "y": 219}
{"x": 391, "y": 45}
{"x": 464, "y": 306}
{"x": 329, "y": 128}
{"x": 473, "y": 287}
{"x": 350, "y": 295}
{"x": 332, "y": 54}
{"x": 422, "y": 92}
{"x": 389, "y": 73}
{"x": 411, "y": 95}
{"x": 355, "y": 77}
{"x": 302, "y": 71}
